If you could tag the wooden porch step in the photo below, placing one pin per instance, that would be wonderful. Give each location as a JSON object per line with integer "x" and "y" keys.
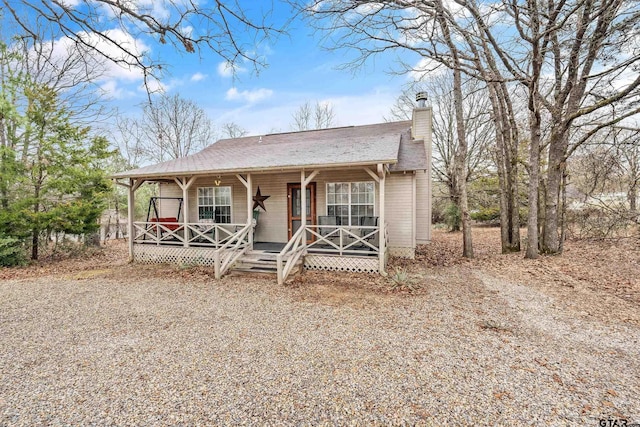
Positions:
{"x": 254, "y": 270}
{"x": 258, "y": 262}
{"x": 261, "y": 254}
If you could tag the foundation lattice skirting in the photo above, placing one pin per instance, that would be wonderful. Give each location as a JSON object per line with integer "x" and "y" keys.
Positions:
{"x": 178, "y": 255}
{"x": 342, "y": 263}
{"x": 403, "y": 252}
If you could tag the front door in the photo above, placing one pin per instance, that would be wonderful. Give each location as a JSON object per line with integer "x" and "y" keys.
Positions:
{"x": 294, "y": 211}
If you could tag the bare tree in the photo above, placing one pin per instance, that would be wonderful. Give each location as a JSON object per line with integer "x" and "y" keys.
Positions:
{"x": 233, "y": 130}
{"x": 317, "y": 116}
{"x": 479, "y": 128}
{"x": 572, "y": 59}
{"x": 592, "y": 69}
{"x": 171, "y": 127}
{"x": 219, "y": 26}
{"x": 629, "y": 162}
{"x": 604, "y": 177}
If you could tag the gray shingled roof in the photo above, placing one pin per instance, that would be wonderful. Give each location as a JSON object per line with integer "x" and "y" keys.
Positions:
{"x": 353, "y": 145}
{"x": 411, "y": 154}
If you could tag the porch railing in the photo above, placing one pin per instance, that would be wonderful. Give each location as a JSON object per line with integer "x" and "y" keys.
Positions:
{"x": 290, "y": 254}
{"x": 236, "y": 246}
{"x": 345, "y": 240}
{"x": 332, "y": 239}
{"x": 201, "y": 234}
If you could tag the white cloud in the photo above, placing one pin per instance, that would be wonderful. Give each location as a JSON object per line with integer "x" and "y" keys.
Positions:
{"x": 121, "y": 46}
{"x": 198, "y": 77}
{"x": 70, "y": 3}
{"x": 276, "y": 116}
{"x": 111, "y": 89}
{"x": 153, "y": 8}
{"x": 187, "y": 31}
{"x": 155, "y": 86}
{"x": 426, "y": 67}
{"x": 251, "y": 96}
{"x": 109, "y": 75}
{"x": 227, "y": 69}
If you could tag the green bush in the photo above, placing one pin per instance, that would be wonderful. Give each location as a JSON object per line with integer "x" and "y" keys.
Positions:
{"x": 401, "y": 279}
{"x": 11, "y": 252}
{"x": 452, "y": 217}
{"x": 490, "y": 214}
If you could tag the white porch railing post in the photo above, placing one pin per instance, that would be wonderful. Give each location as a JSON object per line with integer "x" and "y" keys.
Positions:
{"x": 303, "y": 203}
{"x": 279, "y": 271}
{"x": 216, "y": 264}
{"x": 249, "y": 186}
{"x": 131, "y": 207}
{"x": 185, "y": 184}
{"x": 381, "y": 219}
{"x": 250, "y": 209}
{"x": 185, "y": 213}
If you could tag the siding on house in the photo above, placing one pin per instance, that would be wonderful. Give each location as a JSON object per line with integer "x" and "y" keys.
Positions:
{"x": 238, "y": 195}
{"x": 423, "y": 207}
{"x": 273, "y": 224}
{"x": 399, "y": 212}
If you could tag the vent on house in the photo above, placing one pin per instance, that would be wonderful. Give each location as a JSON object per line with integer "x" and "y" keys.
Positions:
{"x": 421, "y": 99}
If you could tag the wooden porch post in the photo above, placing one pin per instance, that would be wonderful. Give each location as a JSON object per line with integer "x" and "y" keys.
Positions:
{"x": 249, "y": 186}
{"x": 303, "y": 203}
{"x": 382, "y": 225}
{"x": 304, "y": 181}
{"x": 132, "y": 186}
{"x": 185, "y": 184}
{"x": 130, "y": 208}
{"x": 250, "y": 208}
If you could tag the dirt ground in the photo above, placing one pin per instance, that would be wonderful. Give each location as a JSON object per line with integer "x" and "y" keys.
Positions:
{"x": 591, "y": 279}
{"x": 497, "y": 340}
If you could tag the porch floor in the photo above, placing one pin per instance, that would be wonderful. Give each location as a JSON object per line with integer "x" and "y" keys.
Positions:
{"x": 276, "y": 247}
{"x": 273, "y": 247}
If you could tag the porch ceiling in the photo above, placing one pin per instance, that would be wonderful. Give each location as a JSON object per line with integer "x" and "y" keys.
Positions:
{"x": 347, "y": 146}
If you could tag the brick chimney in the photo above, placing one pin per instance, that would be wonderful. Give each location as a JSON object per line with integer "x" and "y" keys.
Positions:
{"x": 422, "y": 119}
{"x": 421, "y": 128}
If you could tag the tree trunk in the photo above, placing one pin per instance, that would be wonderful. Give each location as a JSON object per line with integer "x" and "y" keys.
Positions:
{"x": 632, "y": 196}
{"x": 460, "y": 157}
{"x": 497, "y": 115}
{"x": 35, "y": 231}
{"x": 117, "y": 217}
{"x": 454, "y": 199}
{"x": 460, "y": 166}
{"x": 506, "y": 163}
{"x": 563, "y": 211}
{"x": 534, "y": 180}
{"x": 514, "y": 201}
{"x": 555, "y": 171}
{"x": 532, "y": 219}
{"x": 535, "y": 124}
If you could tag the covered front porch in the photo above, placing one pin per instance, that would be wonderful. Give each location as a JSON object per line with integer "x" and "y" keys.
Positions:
{"x": 201, "y": 224}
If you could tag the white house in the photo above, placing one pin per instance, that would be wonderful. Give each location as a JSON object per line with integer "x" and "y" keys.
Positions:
{"x": 366, "y": 189}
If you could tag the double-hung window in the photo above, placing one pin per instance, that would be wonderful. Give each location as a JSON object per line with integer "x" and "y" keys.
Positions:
{"x": 214, "y": 204}
{"x": 350, "y": 201}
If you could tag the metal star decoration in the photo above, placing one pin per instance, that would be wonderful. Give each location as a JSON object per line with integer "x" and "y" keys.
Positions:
{"x": 258, "y": 200}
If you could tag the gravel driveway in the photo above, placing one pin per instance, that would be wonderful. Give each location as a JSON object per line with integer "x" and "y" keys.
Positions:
{"x": 124, "y": 347}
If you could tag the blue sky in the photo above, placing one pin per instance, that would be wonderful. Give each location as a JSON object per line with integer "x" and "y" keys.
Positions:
{"x": 298, "y": 71}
